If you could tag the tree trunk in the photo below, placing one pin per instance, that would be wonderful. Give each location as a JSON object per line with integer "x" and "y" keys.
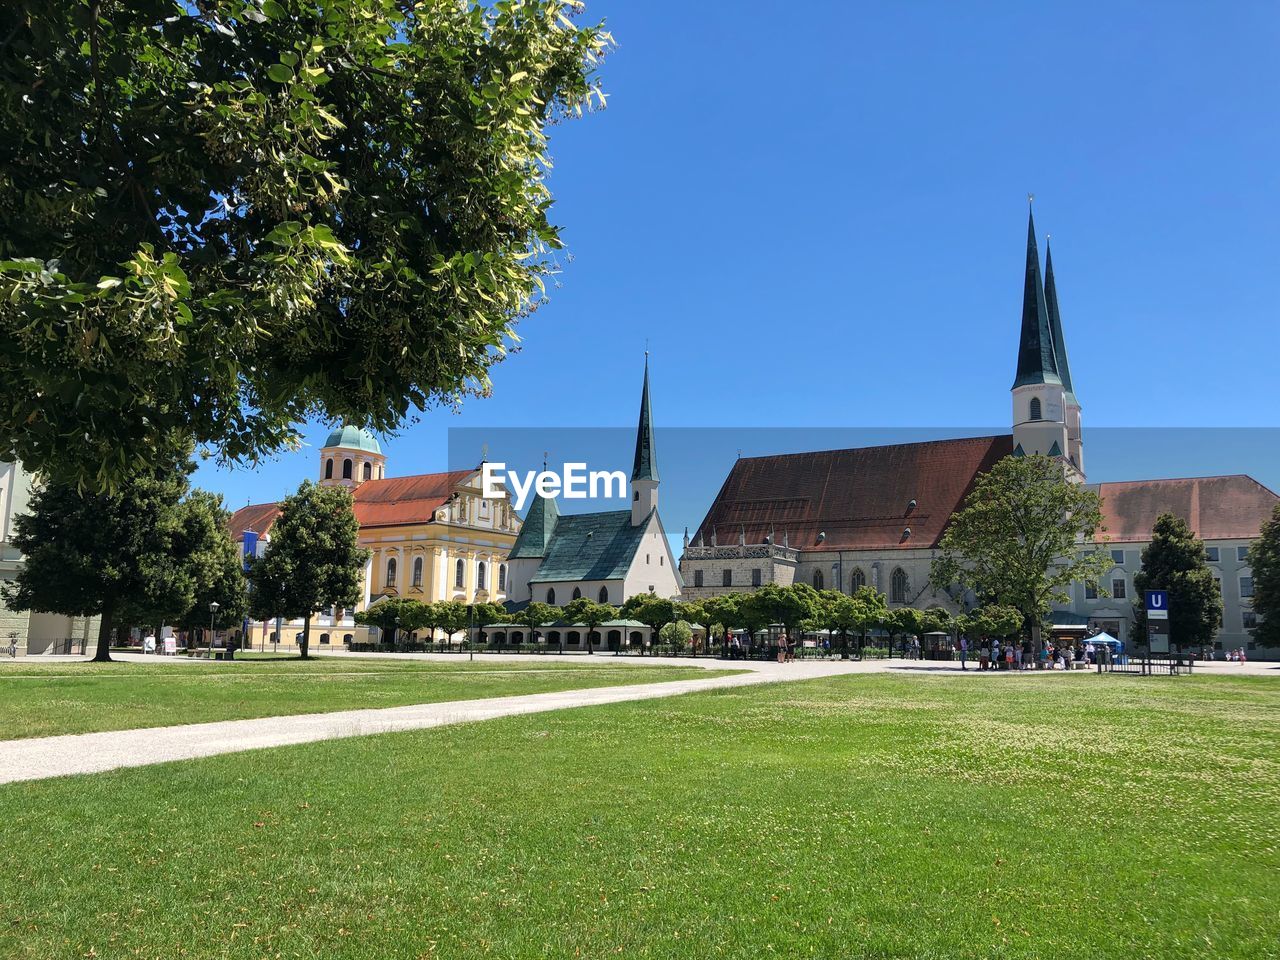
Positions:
{"x": 306, "y": 635}
{"x": 103, "y": 653}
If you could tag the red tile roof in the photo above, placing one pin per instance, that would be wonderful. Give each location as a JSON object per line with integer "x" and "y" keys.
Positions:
{"x": 257, "y": 517}
{"x": 859, "y": 498}
{"x": 378, "y": 503}
{"x": 1216, "y": 508}
{"x": 400, "y": 500}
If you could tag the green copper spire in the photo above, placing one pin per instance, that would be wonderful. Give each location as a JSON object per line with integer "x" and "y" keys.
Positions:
{"x": 1036, "y": 362}
{"x": 645, "y": 466}
{"x": 1055, "y": 325}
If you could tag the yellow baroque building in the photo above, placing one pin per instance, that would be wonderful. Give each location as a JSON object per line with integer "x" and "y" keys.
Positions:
{"x": 431, "y": 537}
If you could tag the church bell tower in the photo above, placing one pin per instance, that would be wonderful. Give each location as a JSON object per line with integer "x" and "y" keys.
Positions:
{"x": 1046, "y": 414}
{"x": 644, "y": 471}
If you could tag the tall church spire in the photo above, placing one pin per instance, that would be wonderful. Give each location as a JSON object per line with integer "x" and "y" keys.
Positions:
{"x": 644, "y": 473}
{"x": 1055, "y": 325}
{"x": 1036, "y": 361}
{"x": 645, "y": 466}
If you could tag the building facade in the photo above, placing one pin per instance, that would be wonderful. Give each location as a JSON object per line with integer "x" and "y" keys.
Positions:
{"x": 874, "y": 516}
{"x": 33, "y": 633}
{"x": 608, "y": 556}
{"x": 431, "y": 537}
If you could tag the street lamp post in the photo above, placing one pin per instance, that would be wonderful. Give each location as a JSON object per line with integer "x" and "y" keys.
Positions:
{"x": 213, "y": 611}
{"x": 395, "y": 640}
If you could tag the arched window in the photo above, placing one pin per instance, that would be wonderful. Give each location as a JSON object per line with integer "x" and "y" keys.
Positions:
{"x": 328, "y": 469}
{"x": 604, "y": 594}
{"x": 551, "y": 595}
{"x": 1035, "y": 408}
{"x": 577, "y": 594}
{"x": 391, "y": 572}
{"x": 346, "y": 469}
{"x": 368, "y": 470}
{"x": 502, "y": 576}
{"x": 898, "y": 586}
{"x": 858, "y": 579}
{"x": 417, "y": 571}
{"x": 459, "y": 573}
{"x": 817, "y": 580}
{"x": 480, "y": 576}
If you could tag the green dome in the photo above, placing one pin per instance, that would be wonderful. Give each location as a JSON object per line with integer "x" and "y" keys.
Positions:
{"x": 353, "y": 438}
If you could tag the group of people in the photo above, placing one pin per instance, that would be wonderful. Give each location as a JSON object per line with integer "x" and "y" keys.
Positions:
{"x": 994, "y": 654}
{"x": 1236, "y": 655}
{"x": 782, "y": 649}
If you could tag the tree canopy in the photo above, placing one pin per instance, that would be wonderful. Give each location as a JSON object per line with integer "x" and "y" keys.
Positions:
{"x": 313, "y": 560}
{"x": 1174, "y": 560}
{"x": 220, "y": 218}
{"x": 1264, "y": 562}
{"x": 1022, "y": 537}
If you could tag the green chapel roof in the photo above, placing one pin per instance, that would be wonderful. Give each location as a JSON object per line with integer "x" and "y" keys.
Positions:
{"x": 591, "y": 546}
{"x": 537, "y": 529}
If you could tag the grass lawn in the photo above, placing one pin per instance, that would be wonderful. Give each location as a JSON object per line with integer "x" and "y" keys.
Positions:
{"x": 39, "y": 700}
{"x": 864, "y": 816}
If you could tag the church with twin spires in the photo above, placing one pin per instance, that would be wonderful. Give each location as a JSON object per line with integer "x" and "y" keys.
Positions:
{"x": 873, "y": 516}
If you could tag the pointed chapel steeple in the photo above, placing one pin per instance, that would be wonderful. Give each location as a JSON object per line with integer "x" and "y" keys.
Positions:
{"x": 644, "y": 472}
{"x": 1036, "y": 360}
{"x": 1055, "y": 325}
{"x": 645, "y": 466}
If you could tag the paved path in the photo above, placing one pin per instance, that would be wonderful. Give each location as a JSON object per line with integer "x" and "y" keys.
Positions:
{"x": 43, "y": 757}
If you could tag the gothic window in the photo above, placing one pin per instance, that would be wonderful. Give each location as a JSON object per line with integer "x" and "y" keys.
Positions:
{"x": 328, "y": 469}
{"x": 502, "y": 576}
{"x": 898, "y": 586}
{"x": 551, "y": 595}
{"x": 480, "y": 576}
{"x": 367, "y": 472}
{"x": 1035, "y": 408}
{"x": 858, "y": 579}
{"x": 817, "y": 580}
{"x": 417, "y": 571}
{"x": 604, "y": 594}
{"x": 346, "y": 469}
{"x": 391, "y": 573}
{"x": 459, "y": 573}
{"x": 577, "y": 594}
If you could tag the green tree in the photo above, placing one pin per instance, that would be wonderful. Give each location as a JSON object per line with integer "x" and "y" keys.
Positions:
{"x": 217, "y": 218}
{"x": 789, "y": 606}
{"x": 590, "y": 614}
{"x": 1174, "y": 560}
{"x": 312, "y": 561}
{"x": 453, "y": 615}
{"x": 535, "y": 616}
{"x": 651, "y": 610}
{"x": 213, "y": 562}
{"x": 1016, "y": 542}
{"x": 1264, "y": 563}
{"x": 722, "y": 610}
{"x": 484, "y": 614}
{"x": 991, "y": 621}
{"x": 112, "y": 555}
{"x": 676, "y": 635}
{"x": 394, "y": 617}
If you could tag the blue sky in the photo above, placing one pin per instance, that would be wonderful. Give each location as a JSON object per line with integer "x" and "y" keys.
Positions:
{"x": 815, "y": 215}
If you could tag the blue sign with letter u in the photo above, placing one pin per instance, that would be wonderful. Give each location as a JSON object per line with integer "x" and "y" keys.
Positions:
{"x": 1158, "y": 600}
